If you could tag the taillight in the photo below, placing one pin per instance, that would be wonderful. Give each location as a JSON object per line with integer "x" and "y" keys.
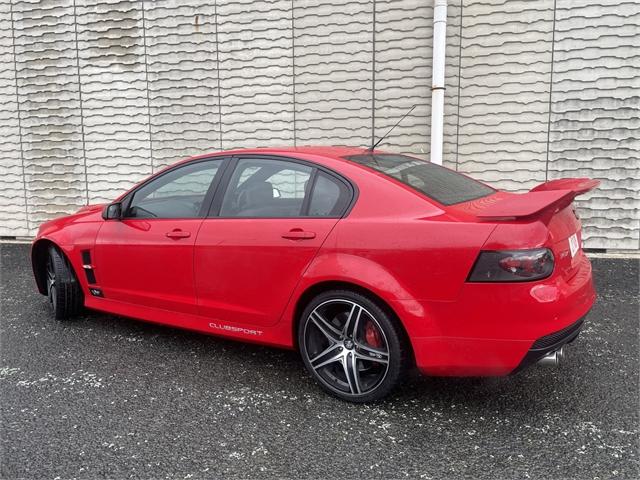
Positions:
{"x": 512, "y": 265}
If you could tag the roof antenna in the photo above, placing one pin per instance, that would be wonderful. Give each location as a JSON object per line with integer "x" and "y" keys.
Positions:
{"x": 385, "y": 135}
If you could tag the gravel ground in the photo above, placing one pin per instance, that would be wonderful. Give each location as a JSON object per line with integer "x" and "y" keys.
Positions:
{"x": 109, "y": 397}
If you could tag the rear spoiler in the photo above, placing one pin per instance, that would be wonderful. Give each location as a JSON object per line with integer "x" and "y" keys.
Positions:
{"x": 577, "y": 185}
{"x": 552, "y": 196}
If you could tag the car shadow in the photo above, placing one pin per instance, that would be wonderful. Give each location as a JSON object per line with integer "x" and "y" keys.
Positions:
{"x": 530, "y": 390}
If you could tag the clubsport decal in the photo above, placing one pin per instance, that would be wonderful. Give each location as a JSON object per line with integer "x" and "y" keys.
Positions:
{"x": 229, "y": 328}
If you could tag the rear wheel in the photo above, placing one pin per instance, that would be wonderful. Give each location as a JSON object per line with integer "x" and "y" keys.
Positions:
{"x": 63, "y": 290}
{"x": 351, "y": 347}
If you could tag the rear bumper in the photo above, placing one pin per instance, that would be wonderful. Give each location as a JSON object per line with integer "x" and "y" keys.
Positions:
{"x": 550, "y": 343}
{"x": 497, "y": 329}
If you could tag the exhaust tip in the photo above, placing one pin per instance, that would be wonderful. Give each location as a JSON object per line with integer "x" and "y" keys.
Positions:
{"x": 553, "y": 359}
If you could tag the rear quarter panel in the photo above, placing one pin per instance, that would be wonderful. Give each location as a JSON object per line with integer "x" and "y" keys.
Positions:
{"x": 400, "y": 246}
{"x": 409, "y": 264}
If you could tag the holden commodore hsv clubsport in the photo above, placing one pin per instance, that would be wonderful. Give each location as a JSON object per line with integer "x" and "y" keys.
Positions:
{"x": 368, "y": 263}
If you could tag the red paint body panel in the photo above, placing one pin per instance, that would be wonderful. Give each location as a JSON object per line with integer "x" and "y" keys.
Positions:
{"x": 240, "y": 278}
{"x": 136, "y": 263}
{"x": 490, "y": 324}
{"x": 245, "y": 271}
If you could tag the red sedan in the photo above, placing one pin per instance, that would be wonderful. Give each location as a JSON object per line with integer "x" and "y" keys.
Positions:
{"x": 368, "y": 263}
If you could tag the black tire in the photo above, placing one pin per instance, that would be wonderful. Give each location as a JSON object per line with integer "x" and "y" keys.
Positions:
{"x": 344, "y": 339}
{"x": 63, "y": 290}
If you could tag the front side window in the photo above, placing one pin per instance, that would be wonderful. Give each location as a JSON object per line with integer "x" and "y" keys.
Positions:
{"x": 266, "y": 188}
{"x": 443, "y": 185}
{"x": 179, "y": 193}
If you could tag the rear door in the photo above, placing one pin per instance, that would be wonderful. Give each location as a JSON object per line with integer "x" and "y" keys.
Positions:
{"x": 146, "y": 258}
{"x": 265, "y": 228}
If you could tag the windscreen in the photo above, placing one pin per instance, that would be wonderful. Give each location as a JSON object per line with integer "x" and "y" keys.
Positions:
{"x": 443, "y": 185}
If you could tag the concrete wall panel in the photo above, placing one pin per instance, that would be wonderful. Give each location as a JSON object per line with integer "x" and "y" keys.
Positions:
{"x": 333, "y": 44}
{"x": 12, "y": 181}
{"x": 114, "y": 95}
{"x": 595, "y": 115}
{"x": 182, "y": 75}
{"x": 256, "y": 73}
{"x": 49, "y": 108}
{"x": 504, "y": 91}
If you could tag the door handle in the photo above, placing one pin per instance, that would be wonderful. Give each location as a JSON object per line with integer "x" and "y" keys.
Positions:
{"x": 298, "y": 234}
{"x": 177, "y": 233}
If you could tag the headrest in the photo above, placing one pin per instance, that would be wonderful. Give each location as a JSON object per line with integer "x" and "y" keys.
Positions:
{"x": 258, "y": 194}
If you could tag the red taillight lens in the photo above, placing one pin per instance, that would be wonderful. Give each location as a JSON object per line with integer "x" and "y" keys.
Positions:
{"x": 512, "y": 265}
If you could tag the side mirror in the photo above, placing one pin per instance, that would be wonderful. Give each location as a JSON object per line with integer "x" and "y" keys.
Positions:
{"x": 112, "y": 211}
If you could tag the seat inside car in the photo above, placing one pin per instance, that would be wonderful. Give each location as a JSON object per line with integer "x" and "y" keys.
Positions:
{"x": 254, "y": 198}
{"x": 258, "y": 200}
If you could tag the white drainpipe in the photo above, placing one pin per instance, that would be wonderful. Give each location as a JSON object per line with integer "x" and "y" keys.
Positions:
{"x": 437, "y": 86}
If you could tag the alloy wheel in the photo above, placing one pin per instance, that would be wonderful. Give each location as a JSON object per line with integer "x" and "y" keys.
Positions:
{"x": 346, "y": 347}
{"x": 51, "y": 282}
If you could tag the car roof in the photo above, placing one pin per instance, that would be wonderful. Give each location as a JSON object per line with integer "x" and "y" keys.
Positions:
{"x": 334, "y": 152}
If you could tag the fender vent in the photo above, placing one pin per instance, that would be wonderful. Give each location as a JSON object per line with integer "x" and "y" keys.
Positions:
{"x": 88, "y": 267}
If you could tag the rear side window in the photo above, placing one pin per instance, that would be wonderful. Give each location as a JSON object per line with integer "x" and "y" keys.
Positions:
{"x": 443, "y": 185}
{"x": 330, "y": 196}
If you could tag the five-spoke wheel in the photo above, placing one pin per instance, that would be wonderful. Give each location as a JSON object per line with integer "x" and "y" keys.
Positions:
{"x": 63, "y": 290}
{"x": 351, "y": 346}
{"x": 51, "y": 282}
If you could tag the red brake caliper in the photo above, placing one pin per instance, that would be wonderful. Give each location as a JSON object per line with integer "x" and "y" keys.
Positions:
{"x": 371, "y": 335}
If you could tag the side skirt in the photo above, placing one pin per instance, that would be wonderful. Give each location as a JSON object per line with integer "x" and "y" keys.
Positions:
{"x": 278, "y": 335}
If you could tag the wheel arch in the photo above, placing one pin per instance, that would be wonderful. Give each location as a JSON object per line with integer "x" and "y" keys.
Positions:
{"x": 39, "y": 252}
{"x": 326, "y": 285}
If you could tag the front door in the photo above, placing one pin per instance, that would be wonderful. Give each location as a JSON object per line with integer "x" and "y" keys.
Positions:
{"x": 146, "y": 258}
{"x": 273, "y": 219}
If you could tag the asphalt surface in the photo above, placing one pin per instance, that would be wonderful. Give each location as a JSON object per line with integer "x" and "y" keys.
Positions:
{"x": 104, "y": 396}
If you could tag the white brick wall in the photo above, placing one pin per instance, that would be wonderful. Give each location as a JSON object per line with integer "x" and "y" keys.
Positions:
{"x": 504, "y": 91}
{"x": 182, "y": 68}
{"x": 595, "y": 114}
{"x": 96, "y": 95}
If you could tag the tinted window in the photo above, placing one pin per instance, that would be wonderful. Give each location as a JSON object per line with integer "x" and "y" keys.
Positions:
{"x": 330, "y": 197}
{"x": 441, "y": 184}
{"x": 176, "y": 194}
{"x": 266, "y": 188}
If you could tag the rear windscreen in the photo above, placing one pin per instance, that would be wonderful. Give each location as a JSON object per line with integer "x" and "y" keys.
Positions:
{"x": 443, "y": 185}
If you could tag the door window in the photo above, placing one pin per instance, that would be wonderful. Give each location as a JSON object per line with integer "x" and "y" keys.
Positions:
{"x": 266, "y": 188}
{"x": 179, "y": 193}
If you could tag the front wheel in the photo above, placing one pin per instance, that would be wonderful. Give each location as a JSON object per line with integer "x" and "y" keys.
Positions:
{"x": 351, "y": 347}
{"x": 63, "y": 290}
